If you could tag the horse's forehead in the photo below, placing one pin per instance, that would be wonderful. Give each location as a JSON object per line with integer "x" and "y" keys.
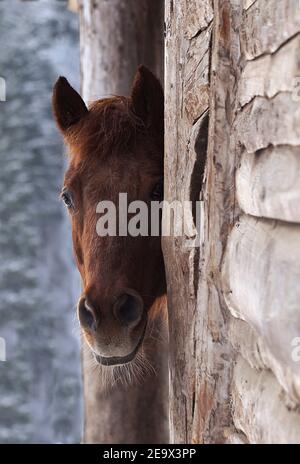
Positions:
{"x": 119, "y": 171}
{"x": 113, "y": 175}
{"x": 115, "y": 164}
{"x": 107, "y": 177}
{"x": 116, "y": 167}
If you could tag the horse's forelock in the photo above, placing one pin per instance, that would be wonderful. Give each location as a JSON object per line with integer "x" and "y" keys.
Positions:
{"x": 110, "y": 126}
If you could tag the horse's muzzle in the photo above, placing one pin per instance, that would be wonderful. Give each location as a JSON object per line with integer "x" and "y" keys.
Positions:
{"x": 117, "y": 360}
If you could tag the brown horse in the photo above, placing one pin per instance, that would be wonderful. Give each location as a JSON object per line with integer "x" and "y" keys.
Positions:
{"x": 116, "y": 146}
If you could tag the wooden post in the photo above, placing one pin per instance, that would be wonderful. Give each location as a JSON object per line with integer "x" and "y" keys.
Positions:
{"x": 116, "y": 36}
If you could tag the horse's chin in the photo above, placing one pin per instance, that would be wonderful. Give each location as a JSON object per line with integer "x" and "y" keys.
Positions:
{"x": 120, "y": 360}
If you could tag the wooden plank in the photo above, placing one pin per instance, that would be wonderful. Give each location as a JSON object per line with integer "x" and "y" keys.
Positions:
{"x": 198, "y": 16}
{"x": 261, "y": 275}
{"x": 195, "y": 78}
{"x": 268, "y": 183}
{"x": 186, "y": 97}
{"x": 212, "y": 420}
{"x": 264, "y": 77}
{"x": 267, "y": 25}
{"x": 255, "y": 351}
{"x": 260, "y": 409}
{"x": 268, "y": 122}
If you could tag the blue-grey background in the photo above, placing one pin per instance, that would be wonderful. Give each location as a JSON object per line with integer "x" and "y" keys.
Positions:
{"x": 40, "y": 382}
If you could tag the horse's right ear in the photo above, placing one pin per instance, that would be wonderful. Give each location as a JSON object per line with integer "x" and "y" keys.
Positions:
{"x": 68, "y": 106}
{"x": 148, "y": 99}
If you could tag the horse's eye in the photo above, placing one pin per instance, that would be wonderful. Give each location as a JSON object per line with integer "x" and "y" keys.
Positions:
{"x": 67, "y": 198}
{"x": 157, "y": 193}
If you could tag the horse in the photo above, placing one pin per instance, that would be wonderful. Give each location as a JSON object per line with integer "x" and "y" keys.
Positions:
{"x": 115, "y": 145}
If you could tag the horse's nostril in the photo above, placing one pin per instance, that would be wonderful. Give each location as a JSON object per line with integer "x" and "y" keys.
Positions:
{"x": 129, "y": 309}
{"x": 86, "y": 315}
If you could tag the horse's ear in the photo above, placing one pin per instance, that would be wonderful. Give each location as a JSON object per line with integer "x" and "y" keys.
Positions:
{"x": 148, "y": 99}
{"x": 68, "y": 106}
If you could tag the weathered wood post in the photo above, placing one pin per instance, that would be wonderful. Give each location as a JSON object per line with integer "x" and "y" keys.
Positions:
{"x": 116, "y": 37}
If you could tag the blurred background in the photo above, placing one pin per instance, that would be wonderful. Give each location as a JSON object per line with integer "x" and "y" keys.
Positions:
{"x": 40, "y": 381}
{"x": 45, "y": 394}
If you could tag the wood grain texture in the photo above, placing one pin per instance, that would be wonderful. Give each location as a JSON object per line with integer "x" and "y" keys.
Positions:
{"x": 186, "y": 100}
{"x": 201, "y": 355}
{"x": 268, "y": 183}
{"x": 238, "y": 295}
{"x": 254, "y": 349}
{"x": 130, "y": 28}
{"x": 260, "y": 270}
{"x": 266, "y": 122}
{"x": 265, "y": 77}
{"x": 196, "y": 97}
{"x": 267, "y": 24}
{"x": 260, "y": 276}
{"x": 197, "y": 17}
{"x": 260, "y": 408}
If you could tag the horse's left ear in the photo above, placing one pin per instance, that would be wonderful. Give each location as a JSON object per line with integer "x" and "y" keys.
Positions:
{"x": 148, "y": 99}
{"x": 68, "y": 106}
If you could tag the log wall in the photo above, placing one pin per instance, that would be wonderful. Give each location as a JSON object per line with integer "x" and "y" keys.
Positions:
{"x": 234, "y": 302}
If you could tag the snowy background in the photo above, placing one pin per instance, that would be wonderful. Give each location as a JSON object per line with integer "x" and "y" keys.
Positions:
{"x": 40, "y": 382}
